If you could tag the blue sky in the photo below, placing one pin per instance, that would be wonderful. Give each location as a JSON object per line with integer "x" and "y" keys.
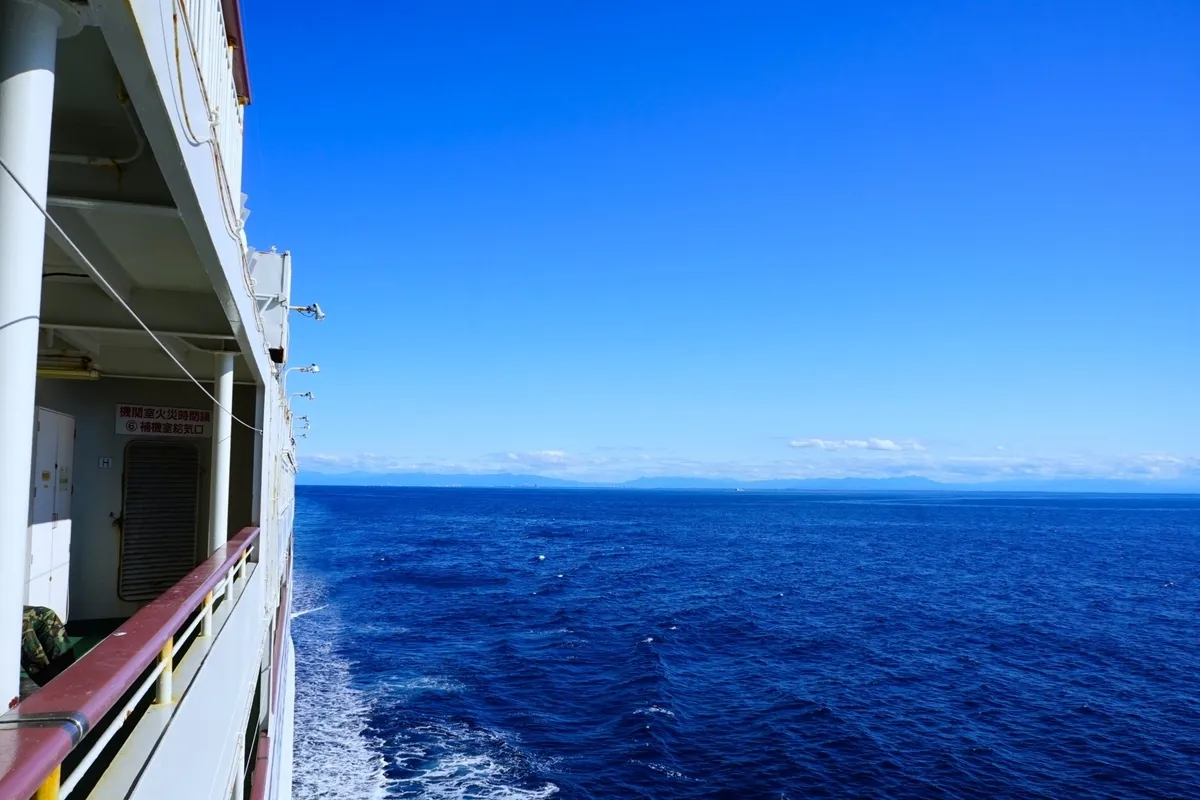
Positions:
{"x": 615, "y": 239}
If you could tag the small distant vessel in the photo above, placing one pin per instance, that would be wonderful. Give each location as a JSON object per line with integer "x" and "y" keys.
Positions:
{"x": 147, "y": 459}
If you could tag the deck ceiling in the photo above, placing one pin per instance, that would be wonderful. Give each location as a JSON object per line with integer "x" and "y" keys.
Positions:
{"x": 149, "y": 262}
{"x": 121, "y": 216}
{"x": 93, "y": 118}
{"x": 149, "y": 247}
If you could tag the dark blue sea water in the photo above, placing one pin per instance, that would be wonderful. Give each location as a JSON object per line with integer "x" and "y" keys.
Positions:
{"x": 739, "y": 645}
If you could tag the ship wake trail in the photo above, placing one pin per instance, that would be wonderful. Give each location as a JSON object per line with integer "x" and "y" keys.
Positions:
{"x": 451, "y": 761}
{"x": 307, "y": 611}
{"x": 335, "y": 756}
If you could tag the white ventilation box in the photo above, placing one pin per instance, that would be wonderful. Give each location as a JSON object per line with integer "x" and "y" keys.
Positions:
{"x": 49, "y": 574}
{"x": 272, "y": 276}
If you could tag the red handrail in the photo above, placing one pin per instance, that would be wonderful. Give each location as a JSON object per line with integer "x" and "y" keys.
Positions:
{"x": 283, "y": 628}
{"x": 262, "y": 767}
{"x": 232, "y": 11}
{"x": 38, "y": 734}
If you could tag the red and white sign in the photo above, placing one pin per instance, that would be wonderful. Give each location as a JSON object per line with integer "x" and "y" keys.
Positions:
{"x": 139, "y": 420}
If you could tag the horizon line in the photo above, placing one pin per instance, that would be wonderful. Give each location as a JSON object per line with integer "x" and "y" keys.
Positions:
{"x": 925, "y": 483}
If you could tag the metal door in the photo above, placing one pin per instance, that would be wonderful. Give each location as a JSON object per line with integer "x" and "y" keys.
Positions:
{"x": 159, "y": 517}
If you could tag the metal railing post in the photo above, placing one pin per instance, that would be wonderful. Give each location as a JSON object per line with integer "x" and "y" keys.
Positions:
{"x": 163, "y": 689}
{"x": 49, "y": 788}
{"x": 206, "y": 619}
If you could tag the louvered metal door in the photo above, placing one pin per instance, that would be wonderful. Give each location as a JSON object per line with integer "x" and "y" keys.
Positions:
{"x": 158, "y": 530}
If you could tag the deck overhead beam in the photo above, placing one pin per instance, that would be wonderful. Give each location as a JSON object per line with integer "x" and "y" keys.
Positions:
{"x": 80, "y": 340}
{"x": 66, "y": 326}
{"x": 83, "y": 245}
{"x": 86, "y": 204}
{"x": 176, "y": 347}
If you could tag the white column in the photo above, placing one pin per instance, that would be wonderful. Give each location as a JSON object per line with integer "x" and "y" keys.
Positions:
{"x": 218, "y": 491}
{"x": 28, "y": 40}
{"x": 266, "y": 536}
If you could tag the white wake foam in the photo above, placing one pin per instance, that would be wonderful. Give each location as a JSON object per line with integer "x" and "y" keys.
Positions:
{"x": 307, "y": 611}
{"x": 454, "y": 762}
{"x": 427, "y": 683}
{"x": 335, "y": 757}
{"x": 656, "y": 710}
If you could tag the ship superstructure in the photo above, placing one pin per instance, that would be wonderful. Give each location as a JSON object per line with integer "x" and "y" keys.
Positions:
{"x": 146, "y": 455}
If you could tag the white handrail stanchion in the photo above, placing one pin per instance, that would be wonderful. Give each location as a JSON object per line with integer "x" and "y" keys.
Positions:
{"x": 166, "y": 659}
{"x": 206, "y": 625}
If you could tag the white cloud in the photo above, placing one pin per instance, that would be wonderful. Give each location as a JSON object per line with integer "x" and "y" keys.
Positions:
{"x": 856, "y": 460}
{"x": 373, "y": 462}
{"x": 836, "y": 445}
{"x": 542, "y": 458}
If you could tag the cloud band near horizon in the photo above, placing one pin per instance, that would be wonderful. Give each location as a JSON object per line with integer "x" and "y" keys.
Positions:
{"x": 836, "y": 445}
{"x": 851, "y": 461}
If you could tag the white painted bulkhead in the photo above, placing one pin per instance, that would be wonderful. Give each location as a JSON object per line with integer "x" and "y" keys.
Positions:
{"x": 48, "y": 566}
{"x": 144, "y": 180}
{"x": 99, "y": 469}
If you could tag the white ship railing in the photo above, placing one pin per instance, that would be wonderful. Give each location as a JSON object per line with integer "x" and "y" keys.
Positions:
{"x": 203, "y": 23}
{"x": 42, "y": 731}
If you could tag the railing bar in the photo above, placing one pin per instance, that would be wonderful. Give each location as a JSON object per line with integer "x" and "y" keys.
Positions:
{"x": 219, "y": 45}
{"x": 205, "y": 30}
{"x": 214, "y": 60}
{"x": 205, "y": 36}
{"x": 225, "y": 586}
{"x": 199, "y": 27}
{"x": 182, "y": 638}
{"x": 98, "y": 746}
{"x": 94, "y": 751}
{"x": 213, "y": 74}
{"x": 34, "y": 772}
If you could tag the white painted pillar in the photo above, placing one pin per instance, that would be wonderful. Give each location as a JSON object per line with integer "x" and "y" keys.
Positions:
{"x": 28, "y": 40}
{"x": 266, "y": 535}
{"x": 218, "y": 491}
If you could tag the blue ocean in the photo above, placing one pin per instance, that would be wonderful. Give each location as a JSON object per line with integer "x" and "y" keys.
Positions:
{"x": 471, "y": 643}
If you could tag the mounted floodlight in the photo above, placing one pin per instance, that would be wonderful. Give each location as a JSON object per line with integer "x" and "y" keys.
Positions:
{"x": 313, "y": 368}
{"x": 310, "y": 368}
{"x": 313, "y": 311}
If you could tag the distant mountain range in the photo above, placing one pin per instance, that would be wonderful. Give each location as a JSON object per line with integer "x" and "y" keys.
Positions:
{"x": 898, "y": 484}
